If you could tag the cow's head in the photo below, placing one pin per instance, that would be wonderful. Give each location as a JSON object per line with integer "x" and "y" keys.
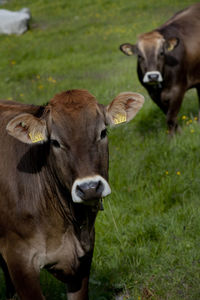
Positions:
{"x": 74, "y": 127}
{"x": 151, "y": 50}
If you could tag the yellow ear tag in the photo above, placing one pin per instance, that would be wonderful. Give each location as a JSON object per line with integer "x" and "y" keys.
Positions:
{"x": 128, "y": 51}
{"x": 170, "y": 48}
{"x": 119, "y": 118}
{"x": 37, "y": 137}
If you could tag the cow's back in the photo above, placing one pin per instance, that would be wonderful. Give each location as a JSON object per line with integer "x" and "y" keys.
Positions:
{"x": 186, "y": 24}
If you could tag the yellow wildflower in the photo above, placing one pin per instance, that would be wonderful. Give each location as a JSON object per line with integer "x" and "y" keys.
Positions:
{"x": 184, "y": 117}
{"x": 178, "y": 173}
{"x": 166, "y": 172}
{"x": 192, "y": 130}
{"x": 51, "y": 79}
{"x": 13, "y": 62}
{"x": 40, "y": 87}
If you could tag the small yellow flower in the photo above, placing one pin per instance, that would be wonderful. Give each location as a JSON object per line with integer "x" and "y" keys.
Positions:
{"x": 195, "y": 118}
{"x": 167, "y": 131}
{"x": 40, "y": 87}
{"x": 13, "y": 62}
{"x": 10, "y": 98}
{"x": 190, "y": 121}
{"x": 21, "y": 95}
{"x": 192, "y": 130}
{"x": 178, "y": 173}
{"x": 184, "y": 117}
{"x": 51, "y": 79}
{"x": 166, "y": 172}
{"x": 38, "y": 76}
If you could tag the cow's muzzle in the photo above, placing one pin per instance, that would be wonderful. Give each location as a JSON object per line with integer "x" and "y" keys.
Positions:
{"x": 152, "y": 77}
{"x": 90, "y": 189}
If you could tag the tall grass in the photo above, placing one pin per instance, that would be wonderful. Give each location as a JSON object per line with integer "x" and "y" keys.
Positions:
{"x": 147, "y": 238}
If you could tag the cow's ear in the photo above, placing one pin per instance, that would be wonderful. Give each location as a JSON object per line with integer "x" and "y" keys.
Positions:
{"x": 124, "y": 108}
{"x": 171, "y": 43}
{"x": 128, "y": 49}
{"x": 28, "y": 129}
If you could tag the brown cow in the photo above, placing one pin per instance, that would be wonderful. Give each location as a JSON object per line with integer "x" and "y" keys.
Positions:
{"x": 169, "y": 61}
{"x": 53, "y": 174}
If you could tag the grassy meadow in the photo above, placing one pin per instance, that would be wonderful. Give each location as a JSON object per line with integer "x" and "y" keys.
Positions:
{"x": 148, "y": 236}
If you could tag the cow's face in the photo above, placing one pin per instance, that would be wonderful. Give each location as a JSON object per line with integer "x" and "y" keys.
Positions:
{"x": 74, "y": 126}
{"x": 151, "y": 50}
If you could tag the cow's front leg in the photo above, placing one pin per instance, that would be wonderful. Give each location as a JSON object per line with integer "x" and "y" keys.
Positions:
{"x": 174, "y": 98}
{"x": 10, "y": 290}
{"x": 78, "y": 284}
{"x": 82, "y": 293}
{"x": 24, "y": 275}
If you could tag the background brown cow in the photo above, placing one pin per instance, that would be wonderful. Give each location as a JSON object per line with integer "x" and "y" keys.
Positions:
{"x": 169, "y": 61}
{"x": 53, "y": 174}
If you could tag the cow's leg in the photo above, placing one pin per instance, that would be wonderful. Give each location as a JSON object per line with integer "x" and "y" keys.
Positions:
{"x": 24, "y": 275}
{"x": 81, "y": 294}
{"x": 198, "y": 93}
{"x": 174, "y": 98}
{"x": 78, "y": 285}
{"x": 10, "y": 289}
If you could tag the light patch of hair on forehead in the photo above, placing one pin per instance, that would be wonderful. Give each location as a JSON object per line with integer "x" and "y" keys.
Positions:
{"x": 150, "y": 40}
{"x": 75, "y": 106}
{"x": 73, "y": 102}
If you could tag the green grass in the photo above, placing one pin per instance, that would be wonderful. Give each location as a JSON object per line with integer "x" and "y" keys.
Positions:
{"x": 147, "y": 238}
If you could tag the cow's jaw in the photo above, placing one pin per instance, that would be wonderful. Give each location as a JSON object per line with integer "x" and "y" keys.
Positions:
{"x": 152, "y": 77}
{"x": 88, "y": 190}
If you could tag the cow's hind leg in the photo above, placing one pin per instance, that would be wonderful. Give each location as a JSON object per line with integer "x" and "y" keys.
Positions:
{"x": 10, "y": 289}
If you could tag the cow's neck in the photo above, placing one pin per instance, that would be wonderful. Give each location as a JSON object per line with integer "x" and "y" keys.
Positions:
{"x": 79, "y": 217}
{"x": 83, "y": 222}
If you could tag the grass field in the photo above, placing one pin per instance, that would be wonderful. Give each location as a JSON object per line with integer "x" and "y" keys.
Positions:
{"x": 147, "y": 238}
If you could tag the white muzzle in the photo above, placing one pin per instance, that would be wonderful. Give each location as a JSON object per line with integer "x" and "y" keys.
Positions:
{"x": 89, "y": 188}
{"x": 152, "y": 76}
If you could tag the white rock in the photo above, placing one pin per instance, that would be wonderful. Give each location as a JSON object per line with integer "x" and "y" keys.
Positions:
{"x": 14, "y": 22}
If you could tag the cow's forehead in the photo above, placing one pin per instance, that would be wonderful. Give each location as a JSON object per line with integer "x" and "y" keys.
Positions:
{"x": 150, "y": 40}
{"x": 74, "y": 102}
{"x": 75, "y": 108}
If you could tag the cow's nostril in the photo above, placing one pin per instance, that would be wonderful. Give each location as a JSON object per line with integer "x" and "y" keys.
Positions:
{"x": 99, "y": 187}
{"x": 79, "y": 191}
{"x": 153, "y": 76}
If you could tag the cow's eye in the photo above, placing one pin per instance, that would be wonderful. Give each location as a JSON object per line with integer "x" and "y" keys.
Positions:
{"x": 104, "y": 133}
{"x": 55, "y": 143}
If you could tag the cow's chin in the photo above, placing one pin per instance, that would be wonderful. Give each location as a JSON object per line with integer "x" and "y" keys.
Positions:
{"x": 154, "y": 83}
{"x": 90, "y": 190}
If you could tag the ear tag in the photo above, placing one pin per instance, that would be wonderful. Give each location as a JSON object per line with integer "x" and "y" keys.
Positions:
{"x": 119, "y": 118}
{"x": 128, "y": 51}
{"x": 37, "y": 137}
{"x": 170, "y": 48}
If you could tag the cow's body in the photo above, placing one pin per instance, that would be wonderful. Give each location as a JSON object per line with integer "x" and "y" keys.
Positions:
{"x": 53, "y": 172}
{"x": 169, "y": 61}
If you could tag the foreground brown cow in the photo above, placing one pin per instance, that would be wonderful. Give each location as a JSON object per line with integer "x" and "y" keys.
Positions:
{"x": 53, "y": 174}
{"x": 169, "y": 61}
